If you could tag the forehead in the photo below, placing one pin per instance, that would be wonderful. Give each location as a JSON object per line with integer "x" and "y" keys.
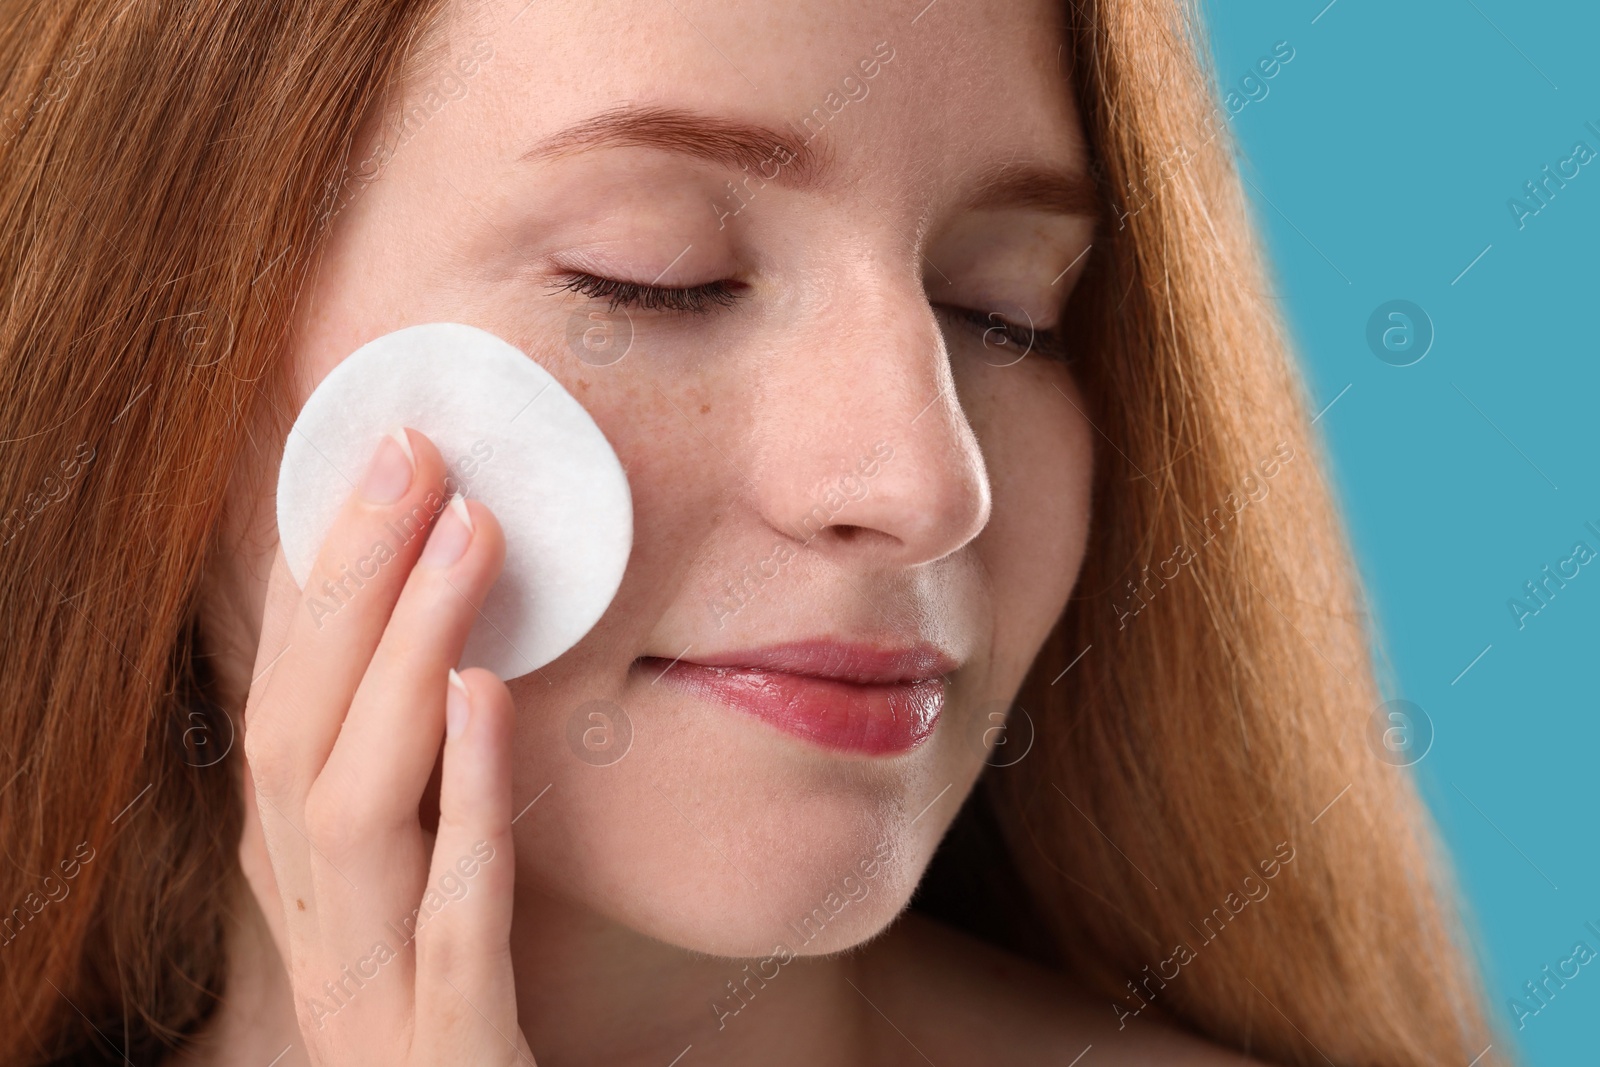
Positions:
{"x": 953, "y": 85}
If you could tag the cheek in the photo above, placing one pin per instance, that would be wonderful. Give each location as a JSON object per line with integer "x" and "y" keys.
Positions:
{"x": 233, "y": 595}
{"x": 676, "y": 438}
{"x": 1038, "y": 447}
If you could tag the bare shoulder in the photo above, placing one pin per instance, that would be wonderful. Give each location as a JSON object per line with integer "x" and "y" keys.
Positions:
{"x": 959, "y": 1000}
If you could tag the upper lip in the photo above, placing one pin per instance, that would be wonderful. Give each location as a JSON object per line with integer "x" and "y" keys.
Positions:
{"x": 862, "y": 663}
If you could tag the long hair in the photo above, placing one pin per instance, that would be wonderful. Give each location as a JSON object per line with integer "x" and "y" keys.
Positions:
{"x": 166, "y": 174}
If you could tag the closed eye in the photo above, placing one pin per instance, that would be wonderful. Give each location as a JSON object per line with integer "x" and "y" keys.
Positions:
{"x": 694, "y": 299}
{"x": 1008, "y": 339}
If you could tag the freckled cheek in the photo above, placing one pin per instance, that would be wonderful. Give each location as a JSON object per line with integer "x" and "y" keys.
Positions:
{"x": 679, "y": 482}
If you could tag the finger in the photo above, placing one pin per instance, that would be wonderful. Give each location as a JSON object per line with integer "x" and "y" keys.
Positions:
{"x": 260, "y": 849}
{"x": 391, "y": 736}
{"x": 363, "y": 808}
{"x": 256, "y": 864}
{"x": 353, "y": 586}
{"x": 463, "y": 926}
{"x": 282, "y": 598}
{"x": 300, "y": 694}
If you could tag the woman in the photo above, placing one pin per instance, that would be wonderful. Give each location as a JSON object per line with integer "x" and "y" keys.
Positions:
{"x": 905, "y": 287}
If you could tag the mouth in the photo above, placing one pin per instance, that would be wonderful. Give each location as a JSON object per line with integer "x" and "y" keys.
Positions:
{"x": 852, "y": 698}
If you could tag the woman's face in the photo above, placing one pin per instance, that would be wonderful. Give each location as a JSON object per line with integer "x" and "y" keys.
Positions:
{"x": 834, "y": 451}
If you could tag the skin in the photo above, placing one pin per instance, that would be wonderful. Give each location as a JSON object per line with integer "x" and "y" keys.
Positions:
{"x": 637, "y": 891}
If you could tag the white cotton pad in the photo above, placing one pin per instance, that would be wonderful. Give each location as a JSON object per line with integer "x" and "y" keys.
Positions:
{"x": 513, "y": 439}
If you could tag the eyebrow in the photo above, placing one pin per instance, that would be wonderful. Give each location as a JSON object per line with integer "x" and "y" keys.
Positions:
{"x": 1026, "y": 185}
{"x": 726, "y": 142}
{"x": 787, "y": 159}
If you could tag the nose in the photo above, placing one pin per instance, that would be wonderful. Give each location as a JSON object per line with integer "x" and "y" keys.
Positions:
{"x": 864, "y": 446}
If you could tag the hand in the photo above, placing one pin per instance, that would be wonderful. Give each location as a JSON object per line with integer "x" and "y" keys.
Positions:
{"x": 395, "y": 940}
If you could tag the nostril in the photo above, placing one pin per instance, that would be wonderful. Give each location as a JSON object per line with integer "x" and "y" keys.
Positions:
{"x": 857, "y": 537}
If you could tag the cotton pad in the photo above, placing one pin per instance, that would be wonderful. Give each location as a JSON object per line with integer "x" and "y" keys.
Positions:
{"x": 513, "y": 439}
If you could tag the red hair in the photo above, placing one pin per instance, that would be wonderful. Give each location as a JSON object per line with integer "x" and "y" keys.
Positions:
{"x": 166, "y": 173}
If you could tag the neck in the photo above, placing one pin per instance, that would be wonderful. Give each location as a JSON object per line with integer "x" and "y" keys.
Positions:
{"x": 589, "y": 991}
{"x": 592, "y": 991}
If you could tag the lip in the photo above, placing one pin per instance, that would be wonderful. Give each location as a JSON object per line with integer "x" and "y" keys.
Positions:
{"x": 846, "y": 697}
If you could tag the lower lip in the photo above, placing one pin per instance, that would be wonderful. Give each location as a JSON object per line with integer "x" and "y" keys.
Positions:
{"x": 872, "y": 720}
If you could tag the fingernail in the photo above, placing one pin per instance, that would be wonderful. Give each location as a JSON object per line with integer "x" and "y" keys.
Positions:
{"x": 450, "y": 534}
{"x": 389, "y": 474}
{"x": 457, "y": 703}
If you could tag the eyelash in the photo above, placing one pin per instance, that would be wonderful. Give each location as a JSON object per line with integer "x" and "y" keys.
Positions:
{"x": 694, "y": 300}
{"x": 1050, "y": 343}
{"x": 700, "y": 299}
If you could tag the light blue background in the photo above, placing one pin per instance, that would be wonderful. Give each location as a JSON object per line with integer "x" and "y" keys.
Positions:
{"x": 1383, "y": 157}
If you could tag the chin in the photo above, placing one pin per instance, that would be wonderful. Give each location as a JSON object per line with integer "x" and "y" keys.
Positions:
{"x": 718, "y": 834}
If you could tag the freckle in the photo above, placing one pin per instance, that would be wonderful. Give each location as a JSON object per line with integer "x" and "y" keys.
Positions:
{"x": 299, "y": 903}
{"x": 705, "y": 409}
{"x": 582, "y": 384}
